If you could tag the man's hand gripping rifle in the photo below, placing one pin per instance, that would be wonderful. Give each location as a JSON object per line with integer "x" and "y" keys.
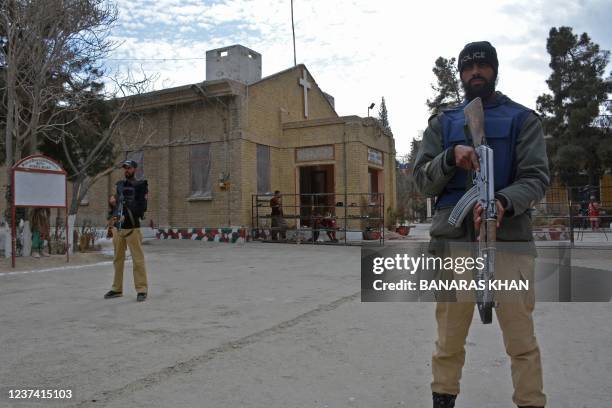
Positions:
{"x": 118, "y": 212}
{"x": 482, "y": 192}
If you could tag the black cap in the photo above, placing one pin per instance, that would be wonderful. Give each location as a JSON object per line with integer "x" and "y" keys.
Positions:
{"x": 129, "y": 163}
{"x": 480, "y": 51}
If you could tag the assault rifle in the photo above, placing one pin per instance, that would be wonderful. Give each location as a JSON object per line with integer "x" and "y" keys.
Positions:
{"x": 483, "y": 192}
{"x": 120, "y": 202}
{"x": 116, "y": 218}
{"x": 118, "y": 214}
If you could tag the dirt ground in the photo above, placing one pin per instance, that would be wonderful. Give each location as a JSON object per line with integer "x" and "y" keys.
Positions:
{"x": 263, "y": 325}
{"x": 29, "y": 263}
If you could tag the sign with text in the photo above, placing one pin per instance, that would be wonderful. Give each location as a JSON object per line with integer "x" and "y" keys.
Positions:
{"x": 39, "y": 182}
{"x": 375, "y": 157}
{"x": 315, "y": 153}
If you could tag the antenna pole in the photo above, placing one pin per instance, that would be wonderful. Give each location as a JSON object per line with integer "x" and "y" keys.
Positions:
{"x": 293, "y": 30}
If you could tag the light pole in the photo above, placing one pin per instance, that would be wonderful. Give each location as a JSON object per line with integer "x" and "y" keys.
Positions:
{"x": 370, "y": 107}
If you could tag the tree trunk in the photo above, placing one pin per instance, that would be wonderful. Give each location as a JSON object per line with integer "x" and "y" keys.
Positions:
{"x": 9, "y": 130}
{"x": 77, "y": 195}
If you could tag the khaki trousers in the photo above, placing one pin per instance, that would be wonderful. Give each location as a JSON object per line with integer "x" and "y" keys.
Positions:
{"x": 129, "y": 238}
{"x": 514, "y": 315}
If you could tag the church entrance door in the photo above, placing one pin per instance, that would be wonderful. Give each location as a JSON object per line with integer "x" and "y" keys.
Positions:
{"x": 316, "y": 192}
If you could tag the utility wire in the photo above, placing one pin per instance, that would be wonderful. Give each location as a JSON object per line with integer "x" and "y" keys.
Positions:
{"x": 155, "y": 59}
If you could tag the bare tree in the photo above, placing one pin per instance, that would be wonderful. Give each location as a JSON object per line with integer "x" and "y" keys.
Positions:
{"x": 50, "y": 54}
{"x": 87, "y": 145}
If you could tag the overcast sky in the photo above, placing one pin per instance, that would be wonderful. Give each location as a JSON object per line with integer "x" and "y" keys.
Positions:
{"x": 358, "y": 51}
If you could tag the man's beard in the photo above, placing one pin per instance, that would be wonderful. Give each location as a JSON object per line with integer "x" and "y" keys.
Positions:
{"x": 483, "y": 91}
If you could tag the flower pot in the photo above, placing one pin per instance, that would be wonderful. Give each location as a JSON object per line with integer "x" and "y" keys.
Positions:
{"x": 371, "y": 235}
{"x": 403, "y": 230}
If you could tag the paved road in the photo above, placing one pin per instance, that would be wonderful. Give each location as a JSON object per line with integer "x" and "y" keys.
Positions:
{"x": 263, "y": 325}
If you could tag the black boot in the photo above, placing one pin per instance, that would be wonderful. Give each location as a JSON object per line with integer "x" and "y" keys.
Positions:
{"x": 112, "y": 294}
{"x": 443, "y": 400}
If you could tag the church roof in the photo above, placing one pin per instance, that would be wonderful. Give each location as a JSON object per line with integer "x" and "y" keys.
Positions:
{"x": 185, "y": 94}
{"x": 285, "y": 71}
{"x": 215, "y": 88}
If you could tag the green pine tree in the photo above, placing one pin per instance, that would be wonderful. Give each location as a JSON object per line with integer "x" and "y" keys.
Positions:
{"x": 448, "y": 85}
{"x": 383, "y": 115}
{"x": 570, "y": 112}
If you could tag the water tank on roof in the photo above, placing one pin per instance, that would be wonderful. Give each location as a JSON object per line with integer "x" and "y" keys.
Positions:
{"x": 235, "y": 62}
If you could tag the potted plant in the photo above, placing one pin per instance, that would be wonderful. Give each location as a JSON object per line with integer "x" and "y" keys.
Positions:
{"x": 403, "y": 229}
{"x": 371, "y": 233}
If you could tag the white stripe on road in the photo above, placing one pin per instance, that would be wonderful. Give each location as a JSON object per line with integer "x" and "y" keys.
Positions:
{"x": 60, "y": 268}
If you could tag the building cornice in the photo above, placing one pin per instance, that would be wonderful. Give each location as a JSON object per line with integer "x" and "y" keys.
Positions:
{"x": 349, "y": 120}
{"x": 184, "y": 94}
{"x": 313, "y": 122}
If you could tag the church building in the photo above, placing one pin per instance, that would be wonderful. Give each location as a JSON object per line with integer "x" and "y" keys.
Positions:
{"x": 207, "y": 148}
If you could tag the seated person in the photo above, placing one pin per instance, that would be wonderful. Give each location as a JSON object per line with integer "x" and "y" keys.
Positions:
{"x": 329, "y": 223}
{"x": 315, "y": 222}
{"x": 594, "y": 213}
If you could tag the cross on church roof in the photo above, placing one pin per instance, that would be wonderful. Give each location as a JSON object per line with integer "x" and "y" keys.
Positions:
{"x": 304, "y": 82}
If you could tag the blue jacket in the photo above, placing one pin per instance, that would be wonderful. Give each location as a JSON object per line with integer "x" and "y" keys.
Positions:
{"x": 521, "y": 167}
{"x": 503, "y": 121}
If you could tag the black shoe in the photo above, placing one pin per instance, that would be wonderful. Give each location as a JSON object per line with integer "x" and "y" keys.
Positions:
{"x": 443, "y": 400}
{"x": 112, "y": 294}
{"x": 141, "y": 297}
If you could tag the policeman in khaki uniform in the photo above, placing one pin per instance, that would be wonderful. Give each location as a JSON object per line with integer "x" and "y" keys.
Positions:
{"x": 443, "y": 169}
{"x": 134, "y": 195}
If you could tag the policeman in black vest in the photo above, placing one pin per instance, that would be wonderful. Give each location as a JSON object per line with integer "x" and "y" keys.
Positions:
{"x": 128, "y": 207}
{"x": 443, "y": 169}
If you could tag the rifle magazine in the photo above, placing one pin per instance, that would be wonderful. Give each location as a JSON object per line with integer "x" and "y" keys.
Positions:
{"x": 463, "y": 206}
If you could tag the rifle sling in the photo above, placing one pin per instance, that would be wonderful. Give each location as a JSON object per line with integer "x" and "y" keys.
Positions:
{"x": 131, "y": 217}
{"x": 126, "y": 235}
{"x": 131, "y": 220}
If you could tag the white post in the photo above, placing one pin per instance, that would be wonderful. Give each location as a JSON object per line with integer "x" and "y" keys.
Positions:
{"x": 27, "y": 239}
{"x": 69, "y": 232}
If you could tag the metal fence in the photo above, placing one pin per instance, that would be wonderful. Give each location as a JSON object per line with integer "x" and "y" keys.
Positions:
{"x": 320, "y": 218}
{"x": 582, "y": 213}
